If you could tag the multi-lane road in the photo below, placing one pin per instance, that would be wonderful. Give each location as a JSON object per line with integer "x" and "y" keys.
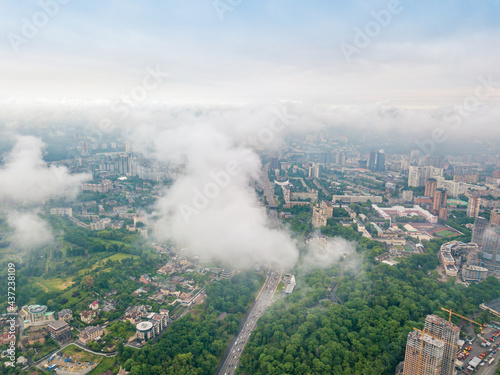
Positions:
{"x": 263, "y": 300}
{"x": 232, "y": 356}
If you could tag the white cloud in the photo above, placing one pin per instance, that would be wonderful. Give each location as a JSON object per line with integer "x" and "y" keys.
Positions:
{"x": 27, "y": 178}
{"x": 30, "y": 231}
{"x": 213, "y": 210}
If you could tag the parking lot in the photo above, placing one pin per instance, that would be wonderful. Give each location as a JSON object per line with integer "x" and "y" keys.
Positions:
{"x": 484, "y": 347}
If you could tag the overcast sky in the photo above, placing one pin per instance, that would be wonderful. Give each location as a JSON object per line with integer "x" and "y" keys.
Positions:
{"x": 429, "y": 53}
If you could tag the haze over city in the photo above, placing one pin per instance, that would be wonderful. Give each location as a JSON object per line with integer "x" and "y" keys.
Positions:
{"x": 250, "y": 187}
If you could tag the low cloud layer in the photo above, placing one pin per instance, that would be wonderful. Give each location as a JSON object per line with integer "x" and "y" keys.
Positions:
{"x": 212, "y": 210}
{"x": 324, "y": 252}
{"x": 26, "y": 178}
{"x": 29, "y": 230}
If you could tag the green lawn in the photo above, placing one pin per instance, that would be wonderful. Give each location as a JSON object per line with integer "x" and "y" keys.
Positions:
{"x": 83, "y": 356}
{"x": 446, "y": 233}
{"x": 43, "y": 351}
{"x": 55, "y": 284}
{"x": 279, "y": 289}
{"x": 106, "y": 364}
{"x": 120, "y": 257}
{"x": 114, "y": 257}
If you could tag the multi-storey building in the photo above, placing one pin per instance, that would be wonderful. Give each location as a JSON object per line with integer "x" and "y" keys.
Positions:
{"x": 103, "y": 187}
{"x": 36, "y": 315}
{"x": 430, "y": 187}
{"x": 321, "y": 214}
{"x": 65, "y": 315}
{"x": 448, "y": 333}
{"x": 59, "y": 330}
{"x": 474, "y": 206}
{"x": 433, "y": 351}
{"x": 480, "y": 226}
{"x": 90, "y": 333}
{"x": 417, "y": 176}
{"x": 62, "y": 211}
{"x": 424, "y": 355}
{"x": 495, "y": 217}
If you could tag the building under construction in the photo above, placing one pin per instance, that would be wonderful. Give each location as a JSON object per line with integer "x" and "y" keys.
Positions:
{"x": 424, "y": 355}
{"x": 433, "y": 351}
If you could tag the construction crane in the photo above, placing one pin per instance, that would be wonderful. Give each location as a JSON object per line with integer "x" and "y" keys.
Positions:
{"x": 437, "y": 338}
{"x": 422, "y": 346}
{"x": 463, "y": 317}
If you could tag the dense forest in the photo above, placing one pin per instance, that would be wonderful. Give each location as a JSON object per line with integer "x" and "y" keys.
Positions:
{"x": 366, "y": 332}
{"x": 194, "y": 344}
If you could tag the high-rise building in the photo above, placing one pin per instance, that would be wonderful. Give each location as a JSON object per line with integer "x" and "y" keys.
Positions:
{"x": 424, "y": 355}
{"x": 315, "y": 170}
{"x": 434, "y": 161}
{"x": 381, "y": 161}
{"x": 123, "y": 164}
{"x": 440, "y": 204}
{"x": 408, "y": 195}
{"x": 405, "y": 163}
{"x": 474, "y": 206}
{"x": 495, "y": 217}
{"x": 480, "y": 226}
{"x": 340, "y": 158}
{"x": 490, "y": 252}
{"x": 274, "y": 163}
{"x": 430, "y": 187}
{"x": 85, "y": 147}
{"x": 372, "y": 161}
{"x": 417, "y": 176}
{"x": 414, "y": 155}
{"x": 448, "y": 333}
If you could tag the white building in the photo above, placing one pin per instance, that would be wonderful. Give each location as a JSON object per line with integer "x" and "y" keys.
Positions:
{"x": 417, "y": 176}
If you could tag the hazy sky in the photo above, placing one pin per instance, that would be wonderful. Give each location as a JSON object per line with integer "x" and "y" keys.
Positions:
{"x": 428, "y": 53}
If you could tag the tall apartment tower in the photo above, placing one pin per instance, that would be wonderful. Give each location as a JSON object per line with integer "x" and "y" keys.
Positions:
{"x": 495, "y": 217}
{"x": 440, "y": 204}
{"x": 372, "y": 161}
{"x": 430, "y": 187}
{"x": 424, "y": 355}
{"x": 381, "y": 161}
{"x": 474, "y": 206}
{"x": 490, "y": 251}
{"x": 449, "y": 333}
{"x": 480, "y": 225}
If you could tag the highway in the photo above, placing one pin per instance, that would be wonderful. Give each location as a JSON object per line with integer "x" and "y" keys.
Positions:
{"x": 232, "y": 356}
{"x": 263, "y": 300}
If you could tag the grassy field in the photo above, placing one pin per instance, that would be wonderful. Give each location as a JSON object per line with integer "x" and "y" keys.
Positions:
{"x": 445, "y": 233}
{"x": 279, "y": 289}
{"x": 106, "y": 364}
{"x": 77, "y": 353}
{"x": 115, "y": 257}
{"x": 43, "y": 351}
{"x": 120, "y": 257}
{"x": 56, "y": 284}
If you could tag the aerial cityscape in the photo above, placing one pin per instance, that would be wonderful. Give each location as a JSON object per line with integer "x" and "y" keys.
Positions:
{"x": 234, "y": 187}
